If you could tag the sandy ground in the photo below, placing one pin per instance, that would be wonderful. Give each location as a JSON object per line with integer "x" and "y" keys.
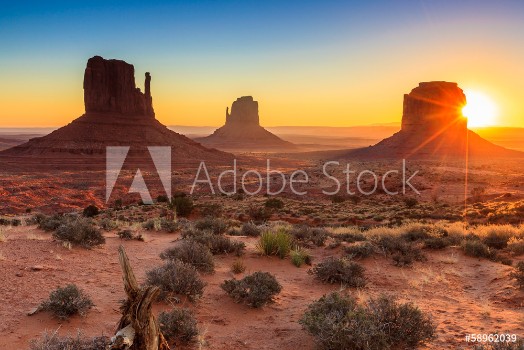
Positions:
{"x": 463, "y": 294}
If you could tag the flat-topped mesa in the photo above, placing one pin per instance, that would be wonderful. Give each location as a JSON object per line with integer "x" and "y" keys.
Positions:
{"x": 109, "y": 87}
{"x": 434, "y": 107}
{"x": 244, "y": 111}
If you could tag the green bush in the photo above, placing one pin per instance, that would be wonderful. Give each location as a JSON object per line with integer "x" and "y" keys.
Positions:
{"x": 256, "y": 289}
{"x": 66, "y": 302}
{"x": 192, "y": 253}
{"x": 275, "y": 243}
{"x": 176, "y": 277}
{"x": 91, "y": 211}
{"x": 340, "y": 270}
{"x": 178, "y": 325}
{"x": 79, "y": 231}
{"x": 338, "y": 323}
{"x": 51, "y": 341}
{"x": 300, "y": 256}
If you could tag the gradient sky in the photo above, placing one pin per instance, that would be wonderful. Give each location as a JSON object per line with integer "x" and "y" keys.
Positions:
{"x": 335, "y": 63}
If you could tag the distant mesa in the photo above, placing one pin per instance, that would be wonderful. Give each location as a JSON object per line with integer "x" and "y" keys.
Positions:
{"x": 117, "y": 113}
{"x": 242, "y": 131}
{"x": 433, "y": 127}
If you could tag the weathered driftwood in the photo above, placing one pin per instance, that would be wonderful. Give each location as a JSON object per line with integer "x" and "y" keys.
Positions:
{"x": 138, "y": 328}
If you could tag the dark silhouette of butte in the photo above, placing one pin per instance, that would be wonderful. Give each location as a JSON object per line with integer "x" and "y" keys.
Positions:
{"x": 117, "y": 113}
{"x": 242, "y": 131}
{"x": 433, "y": 127}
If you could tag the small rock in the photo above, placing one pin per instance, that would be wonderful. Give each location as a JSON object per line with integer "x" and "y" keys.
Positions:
{"x": 33, "y": 311}
{"x": 19, "y": 274}
{"x": 37, "y": 268}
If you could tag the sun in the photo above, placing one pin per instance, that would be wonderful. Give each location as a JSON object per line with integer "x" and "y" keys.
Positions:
{"x": 480, "y": 109}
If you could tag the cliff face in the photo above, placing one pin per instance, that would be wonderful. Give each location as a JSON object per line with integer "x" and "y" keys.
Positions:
{"x": 242, "y": 131}
{"x": 109, "y": 87}
{"x": 433, "y": 127}
{"x": 432, "y": 106}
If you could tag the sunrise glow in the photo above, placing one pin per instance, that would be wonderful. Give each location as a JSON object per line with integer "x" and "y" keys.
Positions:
{"x": 480, "y": 110}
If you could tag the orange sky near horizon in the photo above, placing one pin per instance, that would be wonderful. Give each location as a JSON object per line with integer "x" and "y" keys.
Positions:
{"x": 332, "y": 69}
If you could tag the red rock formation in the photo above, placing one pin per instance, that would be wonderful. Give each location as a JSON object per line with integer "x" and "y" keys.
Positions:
{"x": 433, "y": 127}
{"x": 242, "y": 131}
{"x": 117, "y": 114}
{"x": 109, "y": 87}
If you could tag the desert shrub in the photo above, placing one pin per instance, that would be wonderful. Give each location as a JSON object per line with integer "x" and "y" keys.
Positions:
{"x": 162, "y": 198}
{"x": 402, "y": 253}
{"x": 176, "y": 277}
{"x": 168, "y": 225}
{"x": 360, "y": 250}
{"x": 518, "y": 274}
{"x": 218, "y": 244}
{"x": 258, "y": 214}
{"x": 193, "y": 253}
{"x": 256, "y": 289}
{"x": 125, "y": 234}
{"x": 16, "y": 222}
{"x": 178, "y": 325}
{"x": 495, "y": 236}
{"x": 337, "y": 322}
{"x": 66, "y": 302}
{"x": 49, "y": 223}
{"x": 250, "y": 229}
{"x": 410, "y": 202}
{"x": 152, "y": 225}
{"x": 338, "y": 199}
{"x": 182, "y": 205}
{"x": 347, "y": 234}
{"x": 91, "y": 211}
{"x": 516, "y": 246}
{"x": 274, "y": 203}
{"x": 238, "y": 266}
{"x": 300, "y": 256}
{"x": 437, "y": 242}
{"x": 79, "y": 231}
{"x": 51, "y": 341}
{"x": 477, "y": 249}
{"x": 215, "y": 225}
{"x": 277, "y": 242}
{"x": 108, "y": 224}
{"x": 340, "y": 270}
{"x": 306, "y": 234}
{"x": 414, "y": 233}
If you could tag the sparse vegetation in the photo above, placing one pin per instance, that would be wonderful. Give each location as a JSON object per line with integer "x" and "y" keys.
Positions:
{"x": 256, "y": 289}
{"x": 360, "y": 250}
{"x": 79, "y": 231}
{"x": 518, "y": 274}
{"x": 300, "y": 256}
{"x": 340, "y": 270}
{"x": 277, "y": 243}
{"x": 66, "y": 302}
{"x": 477, "y": 249}
{"x": 51, "y": 341}
{"x": 215, "y": 225}
{"x": 337, "y": 322}
{"x": 218, "y": 244}
{"x": 176, "y": 277}
{"x": 238, "y": 266}
{"x": 274, "y": 203}
{"x": 250, "y": 229}
{"x": 182, "y": 205}
{"x": 193, "y": 253}
{"x": 178, "y": 325}
{"x": 91, "y": 211}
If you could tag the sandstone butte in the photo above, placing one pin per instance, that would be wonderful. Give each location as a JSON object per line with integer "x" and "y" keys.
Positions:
{"x": 243, "y": 132}
{"x": 433, "y": 127}
{"x": 117, "y": 113}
